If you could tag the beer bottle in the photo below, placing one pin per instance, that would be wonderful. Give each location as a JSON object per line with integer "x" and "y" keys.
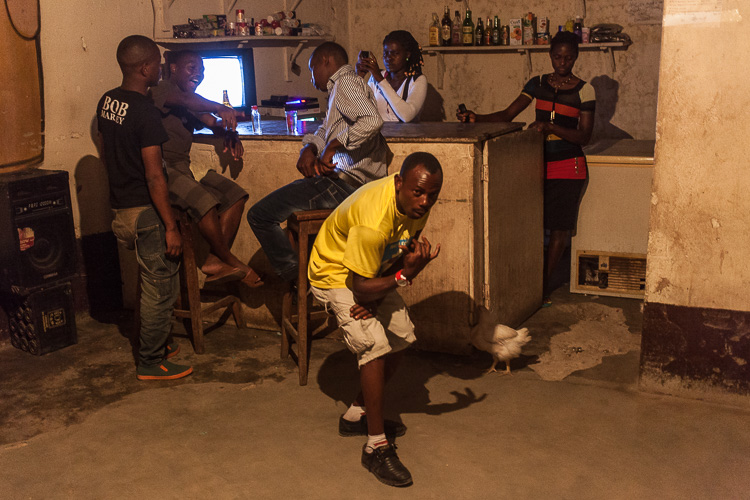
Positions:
{"x": 225, "y": 100}
{"x": 456, "y": 30}
{"x": 445, "y": 32}
{"x": 435, "y": 31}
{"x": 467, "y": 30}
{"x": 488, "y": 32}
{"x": 496, "y": 32}
{"x": 479, "y": 33}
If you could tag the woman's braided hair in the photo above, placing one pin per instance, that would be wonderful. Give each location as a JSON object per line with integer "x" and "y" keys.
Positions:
{"x": 414, "y": 61}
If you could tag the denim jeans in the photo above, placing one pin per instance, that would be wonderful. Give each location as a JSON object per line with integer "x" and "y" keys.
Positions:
{"x": 265, "y": 217}
{"x": 159, "y": 279}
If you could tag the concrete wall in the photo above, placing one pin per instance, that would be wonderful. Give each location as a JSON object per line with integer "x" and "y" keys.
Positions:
{"x": 79, "y": 40}
{"x": 626, "y": 97}
{"x": 78, "y": 43}
{"x": 696, "y": 324}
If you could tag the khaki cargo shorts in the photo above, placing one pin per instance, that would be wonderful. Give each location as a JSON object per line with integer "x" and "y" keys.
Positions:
{"x": 391, "y": 330}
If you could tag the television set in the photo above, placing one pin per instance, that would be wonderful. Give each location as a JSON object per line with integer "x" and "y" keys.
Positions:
{"x": 231, "y": 70}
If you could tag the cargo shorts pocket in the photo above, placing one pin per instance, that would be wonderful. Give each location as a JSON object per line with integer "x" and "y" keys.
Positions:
{"x": 358, "y": 334}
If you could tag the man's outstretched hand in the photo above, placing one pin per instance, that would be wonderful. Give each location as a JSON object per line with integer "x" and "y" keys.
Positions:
{"x": 417, "y": 255}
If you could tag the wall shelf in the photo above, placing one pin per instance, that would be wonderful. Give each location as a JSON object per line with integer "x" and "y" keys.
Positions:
{"x": 162, "y": 31}
{"x": 287, "y": 43}
{"x": 524, "y": 50}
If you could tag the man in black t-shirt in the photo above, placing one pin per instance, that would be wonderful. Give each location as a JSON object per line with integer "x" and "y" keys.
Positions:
{"x": 130, "y": 136}
{"x": 215, "y": 202}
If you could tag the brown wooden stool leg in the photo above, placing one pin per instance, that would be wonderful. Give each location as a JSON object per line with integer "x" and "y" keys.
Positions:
{"x": 189, "y": 287}
{"x": 302, "y": 286}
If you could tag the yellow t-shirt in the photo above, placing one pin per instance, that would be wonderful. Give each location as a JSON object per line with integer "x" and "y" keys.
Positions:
{"x": 362, "y": 236}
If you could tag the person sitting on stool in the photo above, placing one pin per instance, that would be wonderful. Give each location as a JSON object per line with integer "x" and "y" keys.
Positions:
{"x": 216, "y": 203}
{"x": 352, "y": 269}
{"x": 345, "y": 152}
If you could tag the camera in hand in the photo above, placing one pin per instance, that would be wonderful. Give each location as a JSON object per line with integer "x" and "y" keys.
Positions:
{"x": 462, "y": 108}
{"x": 365, "y": 54}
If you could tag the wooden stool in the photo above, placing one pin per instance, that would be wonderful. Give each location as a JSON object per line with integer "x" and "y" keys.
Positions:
{"x": 189, "y": 306}
{"x": 300, "y": 227}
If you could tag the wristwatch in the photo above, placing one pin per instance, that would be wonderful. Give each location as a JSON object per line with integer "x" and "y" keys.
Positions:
{"x": 402, "y": 280}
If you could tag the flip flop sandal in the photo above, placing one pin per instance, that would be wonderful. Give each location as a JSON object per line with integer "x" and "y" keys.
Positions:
{"x": 230, "y": 274}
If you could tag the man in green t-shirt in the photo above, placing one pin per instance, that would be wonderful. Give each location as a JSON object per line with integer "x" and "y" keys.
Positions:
{"x": 367, "y": 248}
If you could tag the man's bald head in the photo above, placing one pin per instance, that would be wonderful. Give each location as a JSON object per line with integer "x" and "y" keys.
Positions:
{"x": 134, "y": 51}
{"x": 333, "y": 51}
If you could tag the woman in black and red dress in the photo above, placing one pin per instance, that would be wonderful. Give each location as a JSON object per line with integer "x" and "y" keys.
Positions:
{"x": 565, "y": 115}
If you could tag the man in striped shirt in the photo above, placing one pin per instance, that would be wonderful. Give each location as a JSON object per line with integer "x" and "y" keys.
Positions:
{"x": 344, "y": 153}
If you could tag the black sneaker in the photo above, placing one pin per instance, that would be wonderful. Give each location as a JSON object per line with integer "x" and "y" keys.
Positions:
{"x": 385, "y": 465}
{"x": 359, "y": 428}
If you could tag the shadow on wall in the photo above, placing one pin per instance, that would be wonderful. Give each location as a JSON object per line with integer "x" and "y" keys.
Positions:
{"x": 607, "y": 95}
{"x": 433, "y": 110}
{"x": 100, "y": 262}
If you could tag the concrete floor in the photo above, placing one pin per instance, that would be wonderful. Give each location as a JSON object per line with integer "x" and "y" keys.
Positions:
{"x": 77, "y": 424}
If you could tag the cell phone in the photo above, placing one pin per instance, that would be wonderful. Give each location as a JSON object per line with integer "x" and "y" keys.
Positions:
{"x": 462, "y": 108}
{"x": 365, "y": 54}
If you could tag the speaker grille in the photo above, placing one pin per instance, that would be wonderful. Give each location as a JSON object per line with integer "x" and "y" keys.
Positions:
{"x": 43, "y": 321}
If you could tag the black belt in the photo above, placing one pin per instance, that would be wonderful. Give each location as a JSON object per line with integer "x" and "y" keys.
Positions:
{"x": 348, "y": 179}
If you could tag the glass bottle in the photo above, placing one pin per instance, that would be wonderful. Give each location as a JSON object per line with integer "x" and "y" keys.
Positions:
{"x": 256, "y": 120}
{"x": 488, "y": 32}
{"x": 479, "y": 33}
{"x": 456, "y": 30}
{"x": 445, "y": 30}
{"x": 496, "y": 32}
{"x": 578, "y": 28}
{"x": 435, "y": 31}
{"x": 225, "y": 99}
{"x": 467, "y": 30}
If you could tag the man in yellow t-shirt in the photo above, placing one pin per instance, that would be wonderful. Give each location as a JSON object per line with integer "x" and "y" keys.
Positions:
{"x": 367, "y": 248}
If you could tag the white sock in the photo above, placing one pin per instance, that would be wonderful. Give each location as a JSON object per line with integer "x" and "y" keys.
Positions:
{"x": 354, "y": 413}
{"x": 375, "y": 442}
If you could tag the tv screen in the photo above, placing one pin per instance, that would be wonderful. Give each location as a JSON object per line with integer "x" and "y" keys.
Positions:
{"x": 230, "y": 70}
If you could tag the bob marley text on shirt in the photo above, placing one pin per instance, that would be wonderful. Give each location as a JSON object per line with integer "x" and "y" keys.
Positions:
{"x": 114, "y": 110}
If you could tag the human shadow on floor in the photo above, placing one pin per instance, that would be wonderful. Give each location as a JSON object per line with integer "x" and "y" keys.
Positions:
{"x": 407, "y": 392}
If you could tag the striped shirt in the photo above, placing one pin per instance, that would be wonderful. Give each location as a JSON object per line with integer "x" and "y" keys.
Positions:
{"x": 353, "y": 119}
{"x": 564, "y": 160}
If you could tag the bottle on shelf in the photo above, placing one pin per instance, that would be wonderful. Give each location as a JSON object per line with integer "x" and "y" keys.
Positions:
{"x": 496, "y": 32}
{"x": 225, "y": 99}
{"x": 467, "y": 30}
{"x": 479, "y": 33}
{"x": 256, "y": 120}
{"x": 446, "y": 34}
{"x": 435, "y": 31}
{"x": 578, "y": 28}
{"x": 456, "y": 30}
{"x": 488, "y": 32}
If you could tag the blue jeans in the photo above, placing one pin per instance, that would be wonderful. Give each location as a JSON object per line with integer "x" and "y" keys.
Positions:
{"x": 265, "y": 217}
{"x": 159, "y": 279}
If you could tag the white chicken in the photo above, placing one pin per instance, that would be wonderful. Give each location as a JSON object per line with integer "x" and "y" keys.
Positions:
{"x": 503, "y": 342}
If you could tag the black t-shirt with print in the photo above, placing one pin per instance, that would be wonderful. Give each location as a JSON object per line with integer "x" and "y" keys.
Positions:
{"x": 128, "y": 122}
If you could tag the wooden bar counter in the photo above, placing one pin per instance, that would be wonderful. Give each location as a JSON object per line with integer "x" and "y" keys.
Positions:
{"x": 488, "y": 220}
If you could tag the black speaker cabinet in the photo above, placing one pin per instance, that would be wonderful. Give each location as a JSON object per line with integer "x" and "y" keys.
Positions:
{"x": 36, "y": 227}
{"x": 42, "y": 321}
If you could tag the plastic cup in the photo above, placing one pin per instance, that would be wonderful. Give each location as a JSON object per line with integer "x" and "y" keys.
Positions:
{"x": 291, "y": 121}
